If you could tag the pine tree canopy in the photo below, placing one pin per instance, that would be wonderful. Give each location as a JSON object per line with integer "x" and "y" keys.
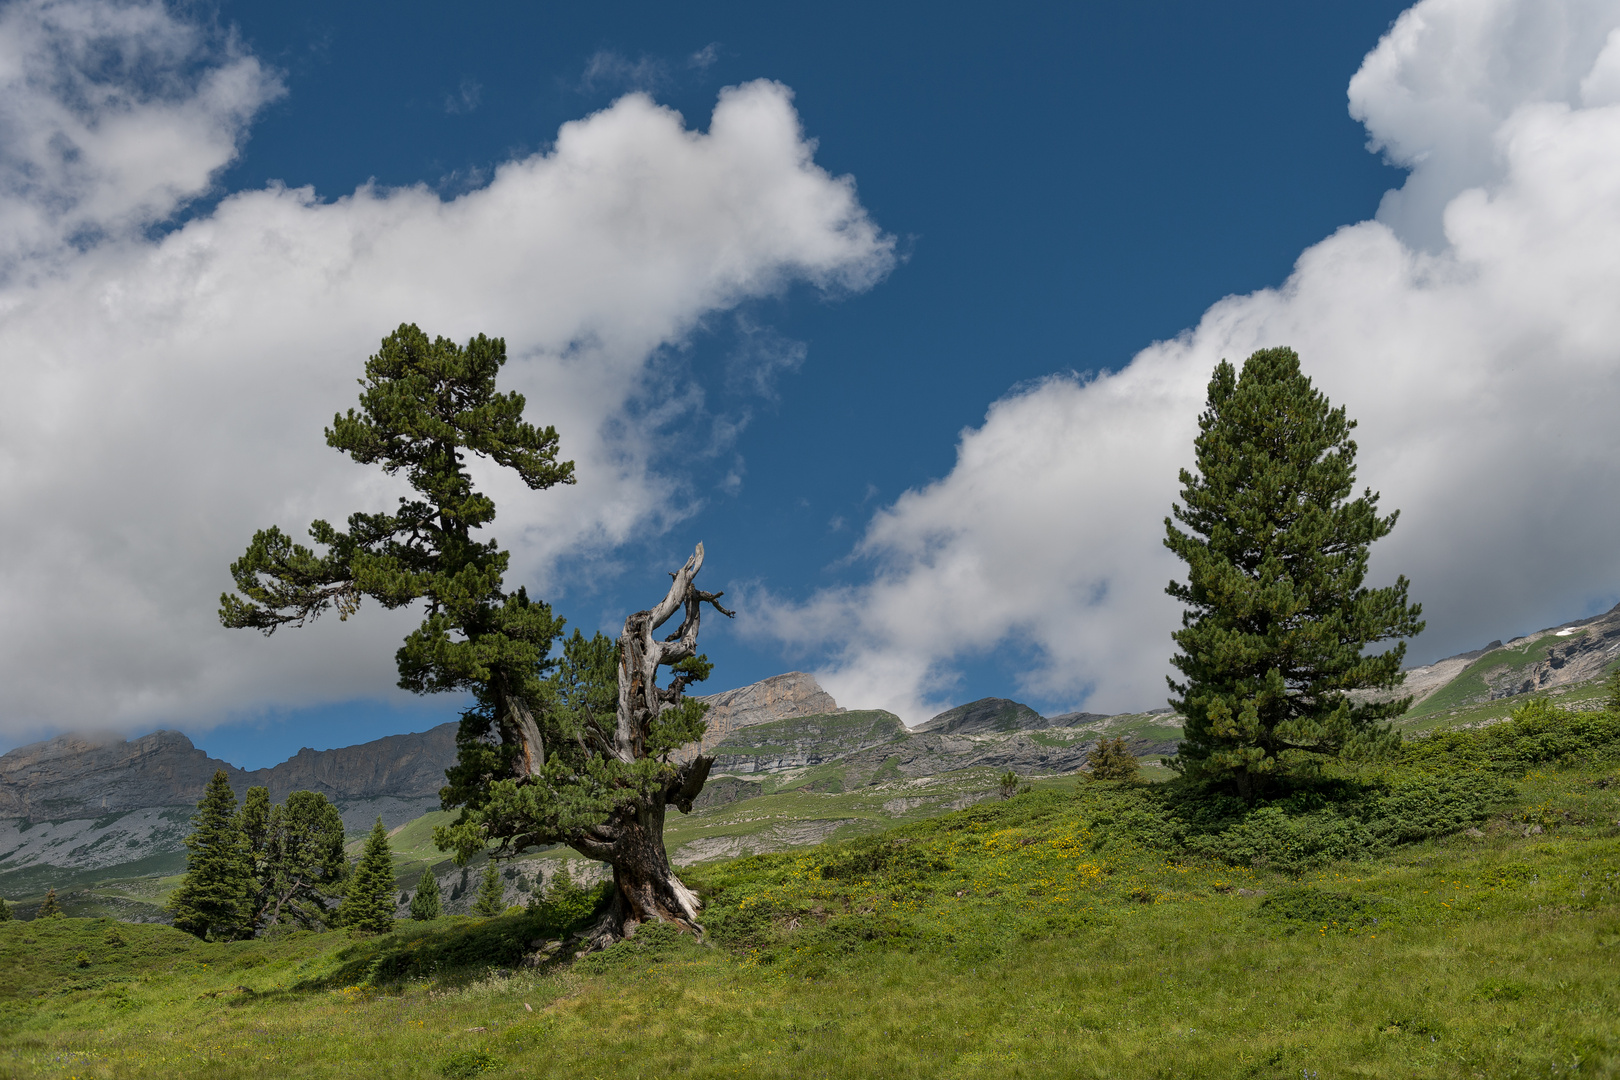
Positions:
{"x": 5, "y": 911}
{"x": 552, "y": 749}
{"x": 254, "y": 824}
{"x": 1111, "y": 759}
{"x": 425, "y": 904}
{"x": 1278, "y": 619}
{"x": 423, "y": 405}
{"x": 214, "y": 898}
{"x": 369, "y": 901}
{"x": 49, "y": 908}
{"x": 304, "y": 864}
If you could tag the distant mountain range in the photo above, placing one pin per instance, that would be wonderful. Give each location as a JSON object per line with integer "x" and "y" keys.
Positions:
{"x": 77, "y": 808}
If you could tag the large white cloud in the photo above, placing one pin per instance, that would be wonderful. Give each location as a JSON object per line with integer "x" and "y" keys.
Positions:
{"x": 1473, "y": 329}
{"x": 165, "y": 397}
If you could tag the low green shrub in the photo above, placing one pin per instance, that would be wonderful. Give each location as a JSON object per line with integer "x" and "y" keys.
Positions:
{"x": 876, "y": 856}
{"x": 1539, "y": 733}
{"x": 462, "y": 1064}
{"x": 653, "y": 943}
{"x": 1330, "y": 912}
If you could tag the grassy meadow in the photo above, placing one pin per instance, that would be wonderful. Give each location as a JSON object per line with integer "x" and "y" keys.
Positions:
{"x": 1457, "y": 916}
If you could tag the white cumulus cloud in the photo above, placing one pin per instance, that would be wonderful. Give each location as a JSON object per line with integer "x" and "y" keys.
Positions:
{"x": 165, "y": 397}
{"x": 1473, "y": 329}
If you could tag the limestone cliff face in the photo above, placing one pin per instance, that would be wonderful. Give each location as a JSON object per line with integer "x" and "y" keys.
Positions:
{"x": 78, "y": 776}
{"x": 802, "y": 741}
{"x": 404, "y": 766}
{"x": 780, "y": 697}
{"x": 82, "y": 776}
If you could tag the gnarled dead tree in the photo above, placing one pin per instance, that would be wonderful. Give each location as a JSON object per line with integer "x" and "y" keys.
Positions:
{"x": 605, "y": 735}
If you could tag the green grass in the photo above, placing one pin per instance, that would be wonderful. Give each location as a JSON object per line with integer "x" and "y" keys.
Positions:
{"x": 1063, "y": 932}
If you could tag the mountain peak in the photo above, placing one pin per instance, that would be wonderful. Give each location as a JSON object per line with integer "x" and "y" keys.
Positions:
{"x": 985, "y": 715}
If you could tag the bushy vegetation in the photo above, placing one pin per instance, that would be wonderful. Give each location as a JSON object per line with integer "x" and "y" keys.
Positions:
{"x": 1539, "y": 733}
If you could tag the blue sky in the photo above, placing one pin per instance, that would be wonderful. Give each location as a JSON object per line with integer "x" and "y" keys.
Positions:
{"x": 1058, "y": 188}
{"x": 1069, "y": 182}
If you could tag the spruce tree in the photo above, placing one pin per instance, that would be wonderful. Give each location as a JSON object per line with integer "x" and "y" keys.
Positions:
{"x": 50, "y": 908}
{"x": 214, "y": 898}
{"x": 491, "y": 893}
{"x": 1277, "y": 622}
{"x": 369, "y": 901}
{"x": 5, "y": 911}
{"x": 425, "y": 904}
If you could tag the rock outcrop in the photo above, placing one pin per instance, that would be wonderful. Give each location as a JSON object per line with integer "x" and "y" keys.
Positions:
{"x": 82, "y": 776}
{"x": 803, "y": 741}
{"x": 780, "y": 697}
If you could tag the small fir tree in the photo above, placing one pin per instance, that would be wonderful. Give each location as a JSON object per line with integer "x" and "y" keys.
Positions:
{"x": 1614, "y": 691}
{"x": 5, "y": 911}
{"x": 425, "y": 904}
{"x": 491, "y": 893}
{"x": 1278, "y": 620}
{"x": 214, "y": 898}
{"x": 50, "y": 908}
{"x": 369, "y": 903}
{"x": 1111, "y": 759}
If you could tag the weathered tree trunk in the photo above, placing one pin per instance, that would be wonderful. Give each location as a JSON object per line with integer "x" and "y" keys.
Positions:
{"x": 645, "y": 885}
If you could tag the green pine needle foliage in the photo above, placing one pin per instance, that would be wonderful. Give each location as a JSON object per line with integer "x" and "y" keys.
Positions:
{"x": 5, "y": 911}
{"x": 369, "y": 902}
{"x": 491, "y": 893}
{"x": 425, "y": 905}
{"x": 1278, "y": 619}
{"x": 301, "y": 865}
{"x": 214, "y": 898}
{"x": 49, "y": 908}
{"x": 1111, "y": 759}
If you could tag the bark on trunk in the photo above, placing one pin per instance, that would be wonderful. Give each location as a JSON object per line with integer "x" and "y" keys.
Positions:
{"x": 645, "y": 887}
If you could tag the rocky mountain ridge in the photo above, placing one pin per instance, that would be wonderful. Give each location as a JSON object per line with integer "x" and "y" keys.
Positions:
{"x": 1547, "y": 660}
{"x": 80, "y": 776}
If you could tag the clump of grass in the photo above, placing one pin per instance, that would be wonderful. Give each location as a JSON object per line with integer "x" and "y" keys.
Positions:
{"x": 463, "y": 1064}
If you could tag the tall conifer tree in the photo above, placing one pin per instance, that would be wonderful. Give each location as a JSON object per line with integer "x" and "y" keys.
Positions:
{"x": 1277, "y": 617}
{"x": 5, "y": 911}
{"x": 213, "y": 900}
{"x": 49, "y": 909}
{"x": 254, "y": 823}
{"x": 582, "y": 757}
{"x": 369, "y": 902}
